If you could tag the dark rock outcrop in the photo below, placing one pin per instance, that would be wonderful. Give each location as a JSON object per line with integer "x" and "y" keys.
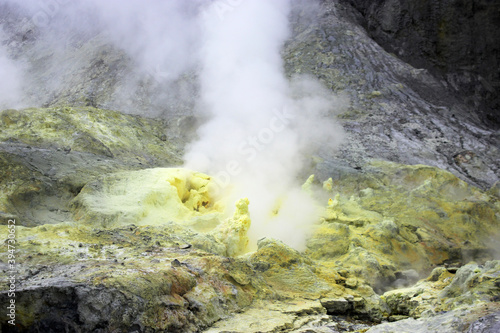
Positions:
{"x": 454, "y": 39}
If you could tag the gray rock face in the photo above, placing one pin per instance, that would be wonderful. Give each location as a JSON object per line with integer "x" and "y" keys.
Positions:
{"x": 396, "y": 112}
{"x": 487, "y": 324}
{"x": 447, "y": 322}
{"x": 336, "y": 305}
{"x": 83, "y": 308}
{"x": 458, "y": 40}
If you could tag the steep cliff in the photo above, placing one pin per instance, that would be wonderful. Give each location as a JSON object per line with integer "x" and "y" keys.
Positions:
{"x": 456, "y": 40}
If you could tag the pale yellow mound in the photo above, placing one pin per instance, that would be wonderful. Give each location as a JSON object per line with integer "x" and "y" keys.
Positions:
{"x": 160, "y": 196}
{"x": 149, "y": 197}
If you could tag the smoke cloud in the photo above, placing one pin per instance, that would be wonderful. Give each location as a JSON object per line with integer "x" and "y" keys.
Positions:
{"x": 161, "y": 36}
{"x": 261, "y": 127}
{"x": 145, "y": 47}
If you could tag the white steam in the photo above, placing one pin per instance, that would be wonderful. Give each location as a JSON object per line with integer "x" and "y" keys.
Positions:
{"x": 262, "y": 125}
{"x": 161, "y": 36}
{"x": 151, "y": 43}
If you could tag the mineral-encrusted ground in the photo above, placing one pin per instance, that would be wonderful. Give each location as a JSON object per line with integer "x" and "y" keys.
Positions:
{"x": 109, "y": 241}
{"x": 136, "y": 248}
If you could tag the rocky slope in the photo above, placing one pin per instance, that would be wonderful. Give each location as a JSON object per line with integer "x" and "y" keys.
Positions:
{"x": 64, "y": 148}
{"x": 94, "y": 240}
{"x": 397, "y": 112}
{"x": 113, "y": 237}
{"x": 456, "y": 40}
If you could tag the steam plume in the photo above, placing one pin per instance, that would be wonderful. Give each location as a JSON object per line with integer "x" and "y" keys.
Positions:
{"x": 261, "y": 125}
